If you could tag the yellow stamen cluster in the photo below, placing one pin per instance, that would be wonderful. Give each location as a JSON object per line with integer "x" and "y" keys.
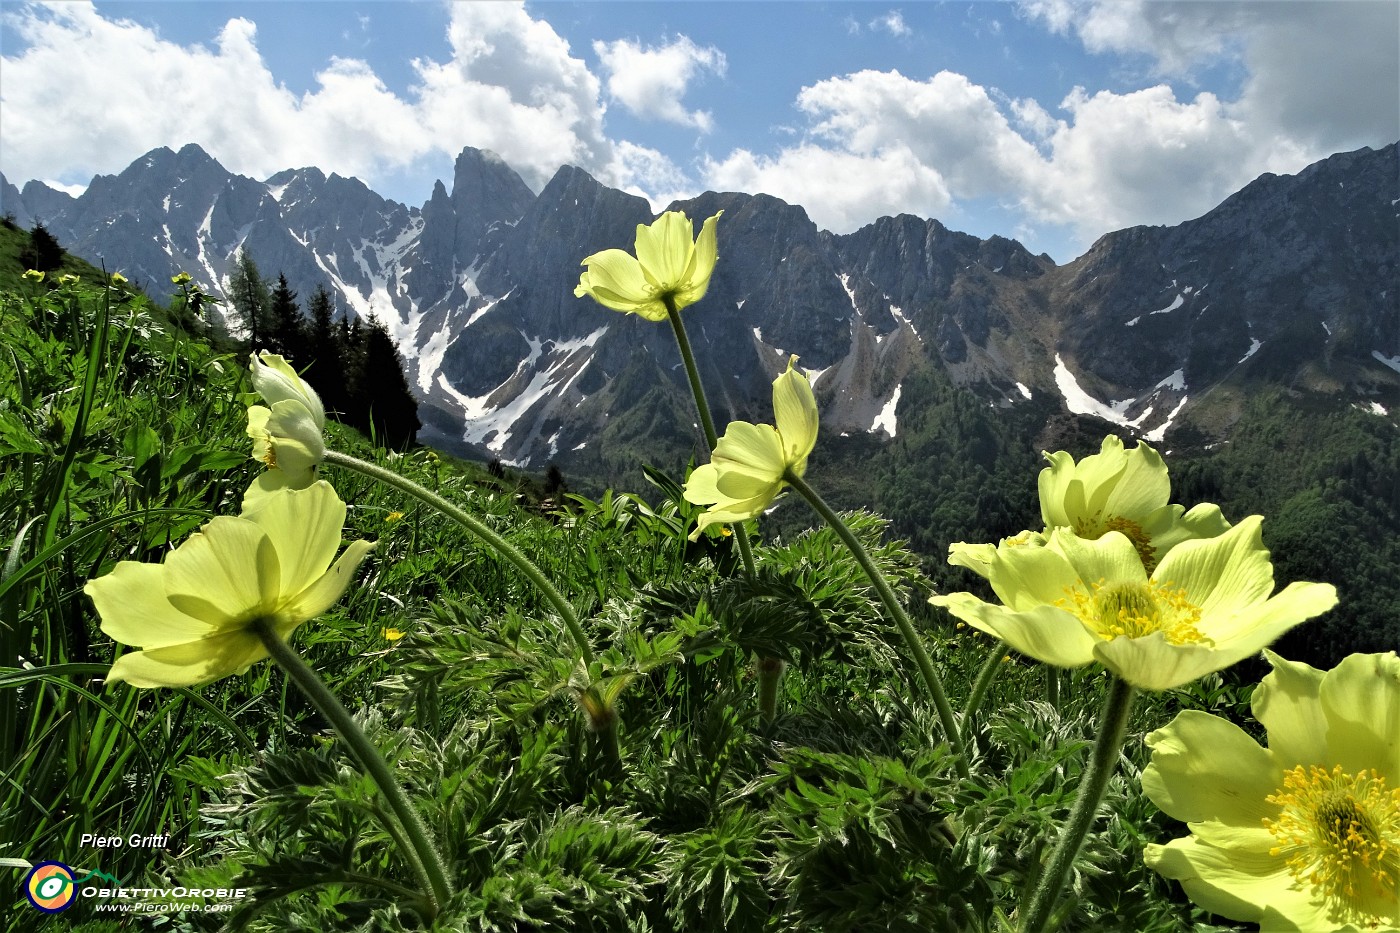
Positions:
{"x": 1340, "y": 833}
{"x": 1134, "y": 533}
{"x": 1136, "y": 610}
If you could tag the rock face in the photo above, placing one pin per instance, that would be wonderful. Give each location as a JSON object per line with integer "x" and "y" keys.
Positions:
{"x": 1293, "y": 280}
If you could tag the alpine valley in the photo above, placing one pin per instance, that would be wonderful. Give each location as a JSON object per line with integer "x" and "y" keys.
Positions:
{"x": 942, "y": 363}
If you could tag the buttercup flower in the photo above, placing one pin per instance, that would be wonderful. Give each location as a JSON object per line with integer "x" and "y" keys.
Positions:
{"x": 1072, "y": 601}
{"x": 1303, "y": 835}
{"x": 745, "y": 472}
{"x": 668, "y": 263}
{"x": 288, "y": 436}
{"x": 193, "y": 614}
{"x": 1124, "y": 491}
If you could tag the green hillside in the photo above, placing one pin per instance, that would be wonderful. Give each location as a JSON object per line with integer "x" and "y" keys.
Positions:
{"x": 530, "y": 712}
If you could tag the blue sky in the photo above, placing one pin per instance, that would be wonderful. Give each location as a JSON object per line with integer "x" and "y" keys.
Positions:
{"x": 1048, "y": 120}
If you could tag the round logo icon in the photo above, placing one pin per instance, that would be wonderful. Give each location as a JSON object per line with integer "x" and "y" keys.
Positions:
{"x": 49, "y": 887}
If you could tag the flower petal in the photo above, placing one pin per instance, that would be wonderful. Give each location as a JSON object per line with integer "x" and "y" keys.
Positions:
{"x": 1224, "y": 574}
{"x": 325, "y": 591}
{"x": 756, "y": 449}
{"x": 131, "y": 602}
{"x": 223, "y": 574}
{"x": 702, "y": 265}
{"x": 1238, "y": 883}
{"x": 1286, "y": 705}
{"x": 664, "y": 249}
{"x": 614, "y": 279}
{"x": 795, "y": 413}
{"x": 1361, "y": 699}
{"x": 1207, "y": 768}
{"x": 1045, "y": 633}
{"x": 187, "y": 665}
{"x": 275, "y": 380}
{"x": 304, "y": 527}
{"x": 1152, "y": 663}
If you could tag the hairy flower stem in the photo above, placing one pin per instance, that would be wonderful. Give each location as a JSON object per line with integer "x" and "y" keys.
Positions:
{"x": 1113, "y": 724}
{"x": 770, "y": 670}
{"x": 1052, "y": 686}
{"x": 988, "y": 673}
{"x": 422, "y": 853}
{"x": 500, "y": 545}
{"x": 912, "y": 641}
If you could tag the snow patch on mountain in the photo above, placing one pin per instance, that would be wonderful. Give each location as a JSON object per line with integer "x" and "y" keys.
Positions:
{"x": 885, "y": 420}
{"x": 1392, "y": 361}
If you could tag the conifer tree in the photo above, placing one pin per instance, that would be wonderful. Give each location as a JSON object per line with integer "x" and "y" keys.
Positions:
{"x": 381, "y": 394}
{"x": 247, "y": 296}
{"x": 326, "y": 362}
{"x": 43, "y": 252}
{"x": 287, "y": 330}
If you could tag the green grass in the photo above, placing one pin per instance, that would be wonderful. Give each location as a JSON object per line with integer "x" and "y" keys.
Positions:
{"x": 120, "y": 435}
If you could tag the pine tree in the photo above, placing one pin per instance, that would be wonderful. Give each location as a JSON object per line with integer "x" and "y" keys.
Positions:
{"x": 326, "y": 363}
{"x": 43, "y": 252}
{"x": 287, "y": 332}
{"x": 248, "y": 298}
{"x": 384, "y": 400}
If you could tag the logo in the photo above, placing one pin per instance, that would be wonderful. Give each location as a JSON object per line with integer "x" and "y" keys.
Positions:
{"x": 50, "y": 887}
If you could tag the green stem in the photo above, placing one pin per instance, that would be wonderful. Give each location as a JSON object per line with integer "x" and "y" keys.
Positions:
{"x": 1113, "y": 724}
{"x": 691, "y": 371}
{"x": 985, "y": 676}
{"x": 1052, "y": 686}
{"x": 424, "y": 855}
{"x": 892, "y": 605}
{"x": 500, "y": 545}
{"x": 770, "y": 677}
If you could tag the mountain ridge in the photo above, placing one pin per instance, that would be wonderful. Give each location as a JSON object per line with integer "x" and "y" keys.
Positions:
{"x": 1290, "y": 281}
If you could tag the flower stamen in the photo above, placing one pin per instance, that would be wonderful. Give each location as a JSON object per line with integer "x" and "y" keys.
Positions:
{"x": 1136, "y": 610}
{"x": 1340, "y": 834}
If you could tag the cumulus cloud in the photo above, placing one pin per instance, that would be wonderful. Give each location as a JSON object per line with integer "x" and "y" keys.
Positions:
{"x": 840, "y": 190}
{"x": 511, "y": 85}
{"x": 650, "y": 81}
{"x": 1323, "y": 75}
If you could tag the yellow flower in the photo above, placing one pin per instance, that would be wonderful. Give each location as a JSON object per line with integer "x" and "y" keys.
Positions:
{"x": 182, "y": 278}
{"x": 392, "y": 517}
{"x": 745, "y": 472}
{"x": 391, "y": 634}
{"x": 193, "y": 614}
{"x": 667, "y": 264}
{"x": 1124, "y": 491}
{"x": 288, "y": 436}
{"x": 33, "y": 275}
{"x": 1072, "y": 601}
{"x": 118, "y": 280}
{"x": 1302, "y": 835}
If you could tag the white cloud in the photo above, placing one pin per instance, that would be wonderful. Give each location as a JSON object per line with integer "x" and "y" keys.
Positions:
{"x": 892, "y": 23}
{"x": 840, "y": 190}
{"x": 1323, "y": 75}
{"x": 650, "y": 82}
{"x": 511, "y": 85}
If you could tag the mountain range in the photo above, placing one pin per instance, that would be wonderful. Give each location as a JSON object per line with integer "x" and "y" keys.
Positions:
{"x": 1162, "y": 332}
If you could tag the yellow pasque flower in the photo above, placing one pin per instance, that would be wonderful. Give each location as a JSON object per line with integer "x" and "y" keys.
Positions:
{"x": 1124, "y": 491}
{"x": 193, "y": 614}
{"x": 1072, "y": 601}
{"x": 669, "y": 263}
{"x": 118, "y": 280}
{"x": 182, "y": 278}
{"x": 33, "y": 275}
{"x": 391, "y": 634}
{"x": 745, "y": 472}
{"x": 1303, "y": 835}
{"x": 288, "y": 435}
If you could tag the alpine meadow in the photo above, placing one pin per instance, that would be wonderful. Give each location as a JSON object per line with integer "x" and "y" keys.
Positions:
{"x": 903, "y": 640}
